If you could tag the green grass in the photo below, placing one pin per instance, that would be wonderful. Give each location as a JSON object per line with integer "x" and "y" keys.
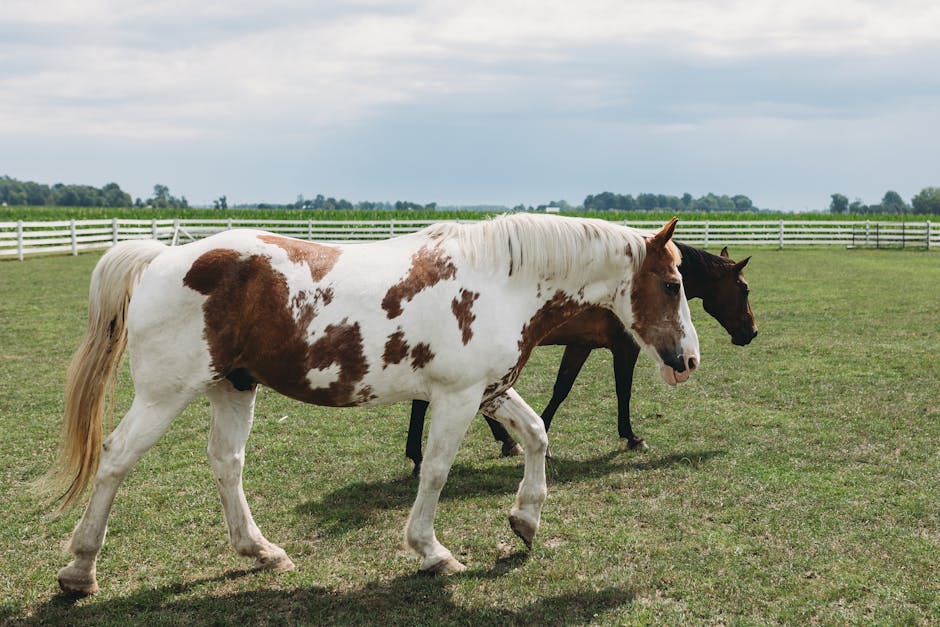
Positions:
{"x": 796, "y": 480}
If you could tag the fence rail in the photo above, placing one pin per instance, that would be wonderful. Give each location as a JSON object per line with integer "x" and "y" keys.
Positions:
{"x": 18, "y": 239}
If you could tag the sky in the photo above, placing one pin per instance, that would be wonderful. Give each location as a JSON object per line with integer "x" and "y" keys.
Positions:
{"x": 464, "y": 103}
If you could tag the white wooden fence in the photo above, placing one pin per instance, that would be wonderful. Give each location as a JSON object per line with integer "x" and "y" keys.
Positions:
{"x": 18, "y": 239}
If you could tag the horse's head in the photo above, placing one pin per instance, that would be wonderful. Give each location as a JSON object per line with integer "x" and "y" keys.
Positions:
{"x": 661, "y": 322}
{"x": 726, "y": 300}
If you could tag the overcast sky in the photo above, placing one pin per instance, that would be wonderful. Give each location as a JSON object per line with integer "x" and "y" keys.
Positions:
{"x": 503, "y": 102}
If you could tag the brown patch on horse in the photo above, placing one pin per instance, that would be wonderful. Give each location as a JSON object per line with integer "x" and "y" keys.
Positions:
{"x": 396, "y": 349}
{"x": 429, "y": 266}
{"x": 318, "y": 257}
{"x": 463, "y": 312}
{"x": 551, "y": 314}
{"x": 365, "y": 395}
{"x": 254, "y": 335}
{"x": 421, "y": 354}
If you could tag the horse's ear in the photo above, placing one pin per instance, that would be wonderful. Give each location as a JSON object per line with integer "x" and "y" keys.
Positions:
{"x": 664, "y": 234}
{"x": 740, "y": 265}
{"x": 724, "y": 252}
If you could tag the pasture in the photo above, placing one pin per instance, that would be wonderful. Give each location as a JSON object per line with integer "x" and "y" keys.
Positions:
{"x": 795, "y": 480}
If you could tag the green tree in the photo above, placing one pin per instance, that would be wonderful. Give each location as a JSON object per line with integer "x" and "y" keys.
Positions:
{"x": 893, "y": 203}
{"x": 927, "y": 201}
{"x": 839, "y": 204}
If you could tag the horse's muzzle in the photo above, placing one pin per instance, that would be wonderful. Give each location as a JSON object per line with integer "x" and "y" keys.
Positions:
{"x": 743, "y": 337}
{"x": 678, "y": 368}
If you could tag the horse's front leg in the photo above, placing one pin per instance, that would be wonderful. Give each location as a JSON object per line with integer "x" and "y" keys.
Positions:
{"x": 415, "y": 433}
{"x": 512, "y": 411}
{"x": 510, "y": 447}
{"x": 451, "y": 414}
{"x": 625, "y": 355}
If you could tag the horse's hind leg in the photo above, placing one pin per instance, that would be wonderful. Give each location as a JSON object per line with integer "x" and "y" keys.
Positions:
{"x": 232, "y": 417}
{"x": 512, "y": 411}
{"x": 140, "y": 428}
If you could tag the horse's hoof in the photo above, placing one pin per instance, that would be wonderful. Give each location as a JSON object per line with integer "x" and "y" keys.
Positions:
{"x": 638, "y": 445}
{"x": 70, "y": 580}
{"x": 278, "y": 562}
{"x": 444, "y": 568}
{"x": 522, "y": 528}
{"x": 512, "y": 450}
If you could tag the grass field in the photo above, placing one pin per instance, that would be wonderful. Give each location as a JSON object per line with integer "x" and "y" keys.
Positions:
{"x": 796, "y": 480}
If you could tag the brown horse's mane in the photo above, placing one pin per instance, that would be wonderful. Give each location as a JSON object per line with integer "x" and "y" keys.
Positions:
{"x": 701, "y": 263}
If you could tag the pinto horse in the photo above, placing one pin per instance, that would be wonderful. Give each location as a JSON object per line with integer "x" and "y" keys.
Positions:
{"x": 448, "y": 315}
{"x": 716, "y": 279}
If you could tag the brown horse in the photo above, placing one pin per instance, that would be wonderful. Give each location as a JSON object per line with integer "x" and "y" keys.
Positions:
{"x": 716, "y": 279}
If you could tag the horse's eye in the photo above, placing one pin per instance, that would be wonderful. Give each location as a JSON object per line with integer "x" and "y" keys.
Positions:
{"x": 672, "y": 288}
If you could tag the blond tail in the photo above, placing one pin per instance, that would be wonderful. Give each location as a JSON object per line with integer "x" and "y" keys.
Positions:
{"x": 94, "y": 367}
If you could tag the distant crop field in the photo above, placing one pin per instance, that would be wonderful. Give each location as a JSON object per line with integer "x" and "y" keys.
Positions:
{"x": 92, "y": 213}
{"x": 796, "y": 480}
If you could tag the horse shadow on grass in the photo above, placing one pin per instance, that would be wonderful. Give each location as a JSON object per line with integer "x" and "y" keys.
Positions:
{"x": 354, "y": 506}
{"x": 410, "y": 599}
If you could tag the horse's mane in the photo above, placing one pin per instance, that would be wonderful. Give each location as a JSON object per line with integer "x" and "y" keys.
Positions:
{"x": 533, "y": 246}
{"x": 703, "y": 263}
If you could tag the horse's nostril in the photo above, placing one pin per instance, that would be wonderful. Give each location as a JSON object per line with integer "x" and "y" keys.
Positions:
{"x": 692, "y": 364}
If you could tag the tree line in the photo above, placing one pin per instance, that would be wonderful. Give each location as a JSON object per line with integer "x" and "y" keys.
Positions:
{"x": 709, "y": 203}
{"x": 28, "y": 193}
{"x": 14, "y": 192}
{"x": 323, "y": 203}
{"x": 927, "y": 201}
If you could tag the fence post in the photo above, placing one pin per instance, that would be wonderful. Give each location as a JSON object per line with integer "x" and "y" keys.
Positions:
{"x": 928, "y": 234}
{"x": 705, "y": 245}
{"x": 309, "y": 230}
{"x": 73, "y": 238}
{"x": 781, "y": 234}
{"x": 153, "y": 229}
{"x": 19, "y": 239}
{"x": 867, "y": 229}
{"x": 229, "y": 224}
{"x": 114, "y": 232}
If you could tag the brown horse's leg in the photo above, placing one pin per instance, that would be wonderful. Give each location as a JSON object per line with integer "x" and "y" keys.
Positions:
{"x": 625, "y": 356}
{"x": 510, "y": 448}
{"x": 415, "y": 432}
{"x": 571, "y": 363}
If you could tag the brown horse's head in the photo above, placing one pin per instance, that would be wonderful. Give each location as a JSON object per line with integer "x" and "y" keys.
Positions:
{"x": 726, "y": 299}
{"x": 662, "y": 323}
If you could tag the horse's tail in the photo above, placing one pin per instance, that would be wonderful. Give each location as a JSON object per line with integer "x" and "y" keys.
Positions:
{"x": 94, "y": 367}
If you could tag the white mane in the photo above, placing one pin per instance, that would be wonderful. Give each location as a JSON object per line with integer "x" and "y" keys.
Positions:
{"x": 531, "y": 246}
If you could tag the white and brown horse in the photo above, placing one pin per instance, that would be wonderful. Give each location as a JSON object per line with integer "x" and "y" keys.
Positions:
{"x": 449, "y": 315}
